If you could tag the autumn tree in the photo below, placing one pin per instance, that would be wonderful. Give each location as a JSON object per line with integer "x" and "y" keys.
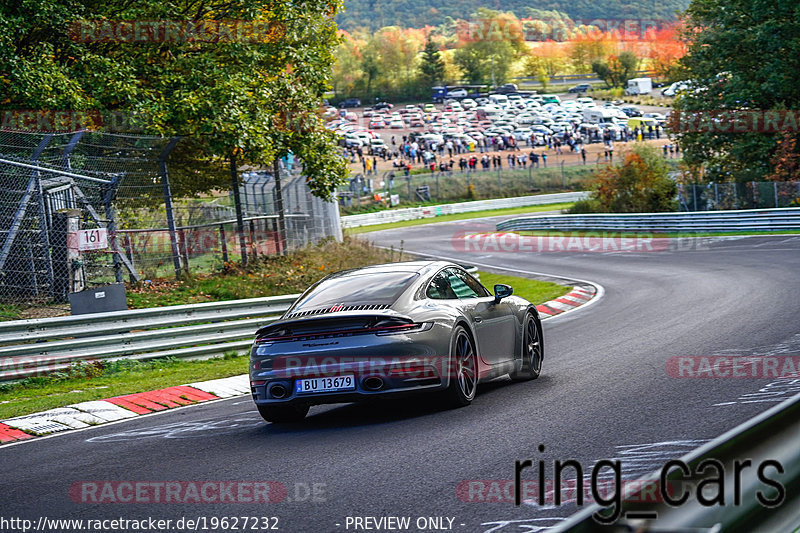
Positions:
{"x": 347, "y": 71}
{"x": 640, "y": 184}
{"x": 491, "y": 43}
{"x": 548, "y": 58}
{"x": 786, "y": 159}
{"x": 253, "y": 97}
{"x": 617, "y": 69}
{"x": 664, "y": 51}
{"x": 741, "y": 54}
{"x": 589, "y": 45}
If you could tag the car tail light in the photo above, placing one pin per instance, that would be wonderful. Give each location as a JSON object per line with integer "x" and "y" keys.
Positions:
{"x": 388, "y": 326}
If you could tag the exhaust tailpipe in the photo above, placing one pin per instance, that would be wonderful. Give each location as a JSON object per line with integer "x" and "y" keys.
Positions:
{"x": 278, "y": 391}
{"x": 373, "y": 383}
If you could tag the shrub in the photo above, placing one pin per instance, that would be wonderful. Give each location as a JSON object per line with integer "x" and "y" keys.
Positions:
{"x": 639, "y": 184}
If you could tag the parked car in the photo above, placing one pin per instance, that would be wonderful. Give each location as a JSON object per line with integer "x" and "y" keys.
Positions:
{"x": 350, "y": 102}
{"x": 659, "y": 117}
{"x": 382, "y": 105}
{"x": 675, "y": 88}
{"x": 631, "y": 111}
{"x": 378, "y": 147}
{"x": 351, "y": 140}
{"x": 507, "y": 88}
{"x": 580, "y": 88}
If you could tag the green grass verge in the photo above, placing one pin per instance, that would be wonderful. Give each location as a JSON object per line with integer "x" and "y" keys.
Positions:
{"x": 106, "y": 379}
{"x": 533, "y": 290}
{"x": 268, "y": 276}
{"x": 460, "y": 216}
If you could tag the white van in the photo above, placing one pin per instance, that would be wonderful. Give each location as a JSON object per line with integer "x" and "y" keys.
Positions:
{"x": 599, "y": 115}
{"x": 639, "y": 86}
{"x": 499, "y": 100}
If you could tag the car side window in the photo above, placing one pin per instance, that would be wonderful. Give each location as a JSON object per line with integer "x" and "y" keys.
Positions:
{"x": 464, "y": 285}
{"x": 440, "y": 289}
{"x": 474, "y": 284}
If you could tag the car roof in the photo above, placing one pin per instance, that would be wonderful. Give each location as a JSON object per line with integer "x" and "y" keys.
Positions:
{"x": 419, "y": 267}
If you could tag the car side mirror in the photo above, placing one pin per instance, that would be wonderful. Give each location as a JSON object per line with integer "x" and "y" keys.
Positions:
{"x": 501, "y": 291}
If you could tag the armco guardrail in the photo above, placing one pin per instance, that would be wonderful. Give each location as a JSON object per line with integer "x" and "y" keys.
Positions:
{"x": 413, "y": 213}
{"x": 44, "y": 345}
{"x": 699, "y": 221}
{"x": 768, "y": 439}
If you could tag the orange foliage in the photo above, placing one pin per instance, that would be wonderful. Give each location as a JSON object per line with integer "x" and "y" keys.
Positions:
{"x": 664, "y": 49}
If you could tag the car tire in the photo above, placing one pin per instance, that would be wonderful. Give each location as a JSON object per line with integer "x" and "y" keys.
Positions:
{"x": 532, "y": 350}
{"x": 463, "y": 368}
{"x": 283, "y": 414}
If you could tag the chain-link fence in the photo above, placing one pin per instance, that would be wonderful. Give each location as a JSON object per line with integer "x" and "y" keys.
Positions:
{"x": 79, "y": 210}
{"x": 454, "y": 186}
{"x": 750, "y": 195}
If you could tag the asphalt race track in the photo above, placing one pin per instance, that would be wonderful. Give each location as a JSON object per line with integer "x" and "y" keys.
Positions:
{"x": 604, "y": 394}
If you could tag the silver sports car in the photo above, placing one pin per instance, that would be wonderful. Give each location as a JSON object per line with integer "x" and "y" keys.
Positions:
{"x": 392, "y": 329}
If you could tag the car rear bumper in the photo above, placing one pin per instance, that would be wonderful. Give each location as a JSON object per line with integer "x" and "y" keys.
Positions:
{"x": 381, "y": 365}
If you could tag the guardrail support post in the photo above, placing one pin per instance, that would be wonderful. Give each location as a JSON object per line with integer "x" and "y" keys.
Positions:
{"x": 223, "y": 239}
{"x": 279, "y": 202}
{"x": 167, "y": 192}
{"x": 237, "y": 201}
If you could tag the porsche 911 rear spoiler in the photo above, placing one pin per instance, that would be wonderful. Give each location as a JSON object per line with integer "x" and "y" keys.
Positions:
{"x": 336, "y": 325}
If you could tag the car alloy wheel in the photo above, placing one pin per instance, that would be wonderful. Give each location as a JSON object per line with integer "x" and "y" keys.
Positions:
{"x": 533, "y": 352}
{"x": 464, "y": 365}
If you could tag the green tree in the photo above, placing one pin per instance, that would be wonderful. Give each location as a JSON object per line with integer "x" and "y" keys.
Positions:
{"x": 617, "y": 69}
{"x": 432, "y": 65}
{"x": 640, "y": 184}
{"x": 370, "y": 66}
{"x": 494, "y": 41}
{"x": 471, "y": 61}
{"x": 251, "y": 94}
{"x": 742, "y": 54}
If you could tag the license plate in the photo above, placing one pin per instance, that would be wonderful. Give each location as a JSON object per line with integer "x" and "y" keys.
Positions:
{"x": 329, "y": 384}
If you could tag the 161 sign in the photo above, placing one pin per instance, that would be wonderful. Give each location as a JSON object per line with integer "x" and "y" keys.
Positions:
{"x": 92, "y": 239}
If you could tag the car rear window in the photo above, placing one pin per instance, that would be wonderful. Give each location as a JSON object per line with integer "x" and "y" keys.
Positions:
{"x": 357, "y": 289}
